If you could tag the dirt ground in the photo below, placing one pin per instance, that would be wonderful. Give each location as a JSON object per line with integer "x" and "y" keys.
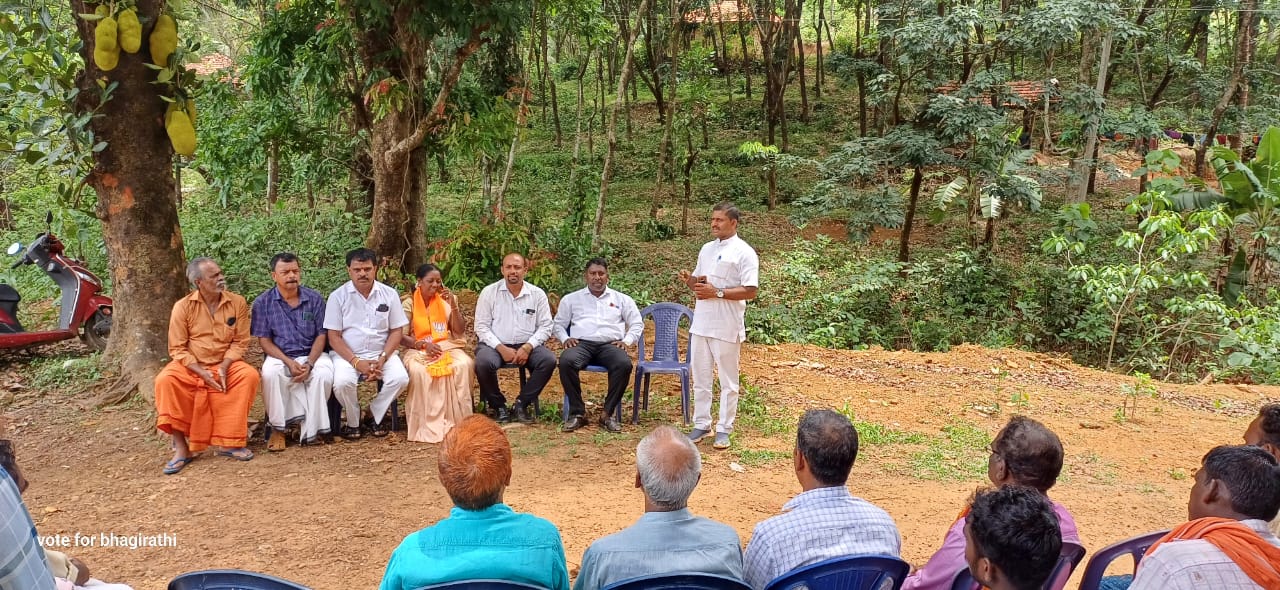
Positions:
{"x": 330, "y": 516}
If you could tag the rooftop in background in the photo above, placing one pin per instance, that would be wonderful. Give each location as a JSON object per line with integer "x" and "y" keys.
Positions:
{"x": 1030, "y": 91}
{"x": 212, "y": 64}
{"x": 729, "y": 11}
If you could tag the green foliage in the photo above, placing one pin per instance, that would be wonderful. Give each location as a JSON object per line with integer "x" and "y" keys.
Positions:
{"x": 653, "y": 230}
{"x": 471, "y": 257}
{"x": 959, "y": 454}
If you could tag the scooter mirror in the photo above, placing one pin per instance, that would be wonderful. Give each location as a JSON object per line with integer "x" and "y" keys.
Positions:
{"x": 48, "y": 217}
{"x": 15, "y": 249}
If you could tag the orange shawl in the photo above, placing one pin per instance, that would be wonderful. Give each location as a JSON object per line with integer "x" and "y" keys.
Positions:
{"x": 431, "y": 321}
{"x": 1257, "y": 558}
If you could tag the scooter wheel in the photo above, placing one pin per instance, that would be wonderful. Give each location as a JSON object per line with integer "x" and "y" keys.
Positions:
{"x": 97, "y": 330}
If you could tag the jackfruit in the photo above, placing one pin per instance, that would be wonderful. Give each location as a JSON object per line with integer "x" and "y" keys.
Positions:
{"x": 181, "y": 134}
{"x": 130, "y": 31}
{"x": 169, "y": 111}
{"x": 164, "y": 40}
{"x": 106, "y": 50}
{"x": 191, "y": 111}
{"x": 102, "y": 10}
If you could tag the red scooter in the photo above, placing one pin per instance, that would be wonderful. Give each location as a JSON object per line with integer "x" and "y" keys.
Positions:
{"x": 85, "y": 311}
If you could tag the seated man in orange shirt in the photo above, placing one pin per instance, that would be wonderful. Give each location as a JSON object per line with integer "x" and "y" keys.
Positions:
{"x": 203, "y": 395}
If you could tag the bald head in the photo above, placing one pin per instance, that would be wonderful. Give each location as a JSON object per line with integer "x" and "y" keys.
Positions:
{"x": 669, "y": 467}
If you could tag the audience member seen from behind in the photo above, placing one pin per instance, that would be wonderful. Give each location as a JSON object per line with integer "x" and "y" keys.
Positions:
{"x": 1024, "y": 453}
{"x": 1226, "y": 545}
{"x": 1264, "y": 432}
{"x": 1012, "y": 540}
{"x": 482, "y": 538}
{"x": 668, "y": 538}
{"x": 824, "y": 520}
{"x": 439, "y": 369}
{"x": 24, "y": 565}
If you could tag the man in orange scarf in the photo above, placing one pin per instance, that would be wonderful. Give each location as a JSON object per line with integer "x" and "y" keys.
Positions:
{"x": 1226, "y": 545}
{"x": 203, "y": 395}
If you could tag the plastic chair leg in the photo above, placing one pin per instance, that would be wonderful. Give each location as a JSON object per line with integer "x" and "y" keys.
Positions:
{"x": 635, "y": 398}
{"x": 684, "y": 395}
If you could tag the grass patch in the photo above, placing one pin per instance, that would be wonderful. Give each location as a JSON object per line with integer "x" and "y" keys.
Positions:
{"x": 604, "y": 437}
{"x": 876, "y": 434}
{"x": 960, "y": 454}
{"x": 534, "y": 443}
{"x": 756, "y": 458}
{"x": 64, "y": 371}
{"x": 755, "y": 412}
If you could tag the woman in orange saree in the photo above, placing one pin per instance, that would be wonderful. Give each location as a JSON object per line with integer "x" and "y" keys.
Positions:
{"x": 440, "y": 371}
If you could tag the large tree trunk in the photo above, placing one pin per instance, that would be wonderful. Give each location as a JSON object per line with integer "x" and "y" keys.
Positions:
{"x": 904, "y": 241}
{"x": 1244, "y": 37}
{"x": 1082, "y": 167}
{"x": 133, "y": 178}
{"x": 606, "y": 174}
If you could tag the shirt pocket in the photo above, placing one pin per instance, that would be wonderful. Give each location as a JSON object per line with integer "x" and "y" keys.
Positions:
{"x": 725, "y": 270}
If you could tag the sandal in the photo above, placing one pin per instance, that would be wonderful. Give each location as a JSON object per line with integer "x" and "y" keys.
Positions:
{"x": 349, "y": 433}
{"x": 379, "y": 430}
{"x": 240, "y": 454}
{"x": 176, "y": 465}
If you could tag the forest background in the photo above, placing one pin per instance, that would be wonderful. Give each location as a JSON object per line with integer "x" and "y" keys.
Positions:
{"x": 915, "y": 174}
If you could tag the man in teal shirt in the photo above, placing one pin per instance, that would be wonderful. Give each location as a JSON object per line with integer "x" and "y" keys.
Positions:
{"x": 482, "y": 538}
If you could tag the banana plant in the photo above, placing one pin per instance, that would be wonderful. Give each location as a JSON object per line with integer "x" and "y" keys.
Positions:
{"x": 1249, "y": 192}
{"x": 995, "y": 188}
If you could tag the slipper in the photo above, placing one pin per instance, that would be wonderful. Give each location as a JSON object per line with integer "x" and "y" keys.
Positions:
{"x": 241, "y": 454}
{"x": 176, "y": 465}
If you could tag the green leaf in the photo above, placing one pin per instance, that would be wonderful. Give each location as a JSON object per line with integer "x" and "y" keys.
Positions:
{"x": 90, "y": 16}
{"x": 1269, "y": 146}
{"x": 1237, "y": 278}
{"x": 1239, "y": 359}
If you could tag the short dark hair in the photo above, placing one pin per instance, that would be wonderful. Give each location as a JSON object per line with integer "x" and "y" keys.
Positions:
{"x": 282, "y": 257}
{"x": 1031, "y": 452}
{"x": 829, "y": 443}
{"x": 1251, "y": 475}
{"x": 1269, "y": 421}
{"x": 7, "y": 460}
{"x": 426, "y": 269}
{"x": 597, "y": 261}
{"x": 730, "y": 210}
{"x": 362, "y": 255}
{"x": 1016, "y": 528}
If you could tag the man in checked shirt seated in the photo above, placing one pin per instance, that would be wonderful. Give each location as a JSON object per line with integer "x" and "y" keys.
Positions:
{"x": 824, "y": 520}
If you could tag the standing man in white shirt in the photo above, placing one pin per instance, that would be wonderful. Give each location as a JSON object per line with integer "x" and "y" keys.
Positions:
{"x": 727, "y": 276}
{"x": 513, "y": 320}
{"x": 364, "y": 318}
{"x": 603, "y": 324}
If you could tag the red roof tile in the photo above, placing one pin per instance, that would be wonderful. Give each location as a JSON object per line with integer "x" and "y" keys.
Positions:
{"x": 729, "y": 11}
{"x": 1031, "y": 91}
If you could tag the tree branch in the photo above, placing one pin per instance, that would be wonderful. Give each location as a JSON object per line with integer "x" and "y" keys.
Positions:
{"x": 437, "y": 116}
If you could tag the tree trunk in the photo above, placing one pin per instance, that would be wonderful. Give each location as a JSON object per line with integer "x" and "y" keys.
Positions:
{"x": 904, "y": 242}
{"x": 1244, "y": 36}
{"x": 549, "y": 81}
{"x": 804, "y": 90}
{"x": 134, "y": 182}
{"x": 818, "y": 73}
{"x": 1198, "y": 25}
{"x": 1082, "y": 167}
{"x": 691, "y": 155}
{"x": 746, "y": 57}
{"x": 606, "y": 174}
{"x": 665, "y": 159}
{"x": 273, "y": 174}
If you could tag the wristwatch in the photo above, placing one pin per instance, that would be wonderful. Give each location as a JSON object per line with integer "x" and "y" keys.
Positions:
{"x": 720, "y": 293}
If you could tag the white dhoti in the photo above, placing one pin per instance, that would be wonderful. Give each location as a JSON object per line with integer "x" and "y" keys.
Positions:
{"x": 289, "y": 402}
{"x": 724, "y": 355}
{"x": 345, "y": 380}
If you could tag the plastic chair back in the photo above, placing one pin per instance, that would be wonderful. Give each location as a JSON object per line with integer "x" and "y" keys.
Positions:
{"x": 1070, "y": 557}
{"x": 680, "y": 582}
{"x": 1135, "y": 547}
{"x": 666, "y": 333}
{"x": 231, "y": 580}
{"x": 855, "y": 572}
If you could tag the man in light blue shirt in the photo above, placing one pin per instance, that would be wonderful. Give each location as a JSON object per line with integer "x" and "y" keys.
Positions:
{"x": 482, "y": 538}
{"x": 825, "y": 520}
{"x": 22, "y": 562}
{"x": 668, "y": 538}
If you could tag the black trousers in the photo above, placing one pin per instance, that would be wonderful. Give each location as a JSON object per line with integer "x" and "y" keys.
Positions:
{"x": 604, "y": 354}
{"x": 540, "y": 364}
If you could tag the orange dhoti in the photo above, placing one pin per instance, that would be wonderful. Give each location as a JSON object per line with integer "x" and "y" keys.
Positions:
{"x": 185, "y": 404}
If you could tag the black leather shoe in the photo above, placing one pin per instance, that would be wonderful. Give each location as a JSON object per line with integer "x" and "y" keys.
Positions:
{"x": 522, "y": 414}
{"x": 610, "y": 424}
{"x": 573, "y": 423}
{"x": 504, "y": 415}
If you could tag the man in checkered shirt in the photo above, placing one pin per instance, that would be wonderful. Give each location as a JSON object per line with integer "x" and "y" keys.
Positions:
{"x": 1237, "y": 486}
{"x": 825, "y": 520}
{"x": 22, "y": 564}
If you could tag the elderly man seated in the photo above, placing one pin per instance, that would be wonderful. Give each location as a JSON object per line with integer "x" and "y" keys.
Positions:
{"x": 482, "y": 538}
{"x": 1226, "y": 545}
{"x": 1012, "y": 538}
{"x": 668, "y": 538}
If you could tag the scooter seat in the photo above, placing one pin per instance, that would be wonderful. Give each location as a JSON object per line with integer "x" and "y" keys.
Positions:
{"x": 9, "y": 294}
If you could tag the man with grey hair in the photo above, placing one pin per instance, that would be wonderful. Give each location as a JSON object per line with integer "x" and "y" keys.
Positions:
{"x": 668, "y": 538}
{"x": 203, "y": 395}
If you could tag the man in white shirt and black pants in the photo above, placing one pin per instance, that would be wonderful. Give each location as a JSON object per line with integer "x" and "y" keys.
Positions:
{"x": 513, "y": 320}
{"x": 603, "y": 324}
{"x": 727, "y": 276}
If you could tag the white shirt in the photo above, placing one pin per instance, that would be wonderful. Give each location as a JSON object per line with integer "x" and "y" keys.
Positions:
{"x": 364, "y": 323}
{"x": 726, "y": 263}
{"x": 1195, "y": 563}
{"x": 611, "y": 316}
{"x": 504, "y": 319}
